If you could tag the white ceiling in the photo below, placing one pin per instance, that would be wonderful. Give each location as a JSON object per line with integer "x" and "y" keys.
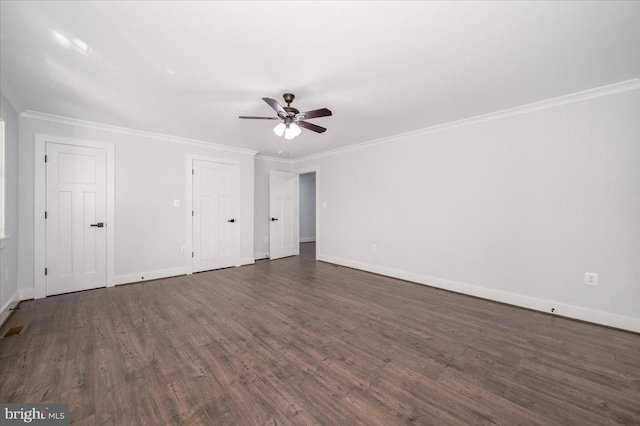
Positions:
{"x": 190, "y": 68}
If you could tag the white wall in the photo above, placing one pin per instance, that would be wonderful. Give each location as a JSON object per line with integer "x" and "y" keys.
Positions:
{"x": 150, "y": 172}
{"x": 261, "y": 208}
{"x": 9, "y": 252}
{"x": 307, "y": 207}
{"x": 515, "y": 208}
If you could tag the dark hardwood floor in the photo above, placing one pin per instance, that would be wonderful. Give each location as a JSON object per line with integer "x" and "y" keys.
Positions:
{"x": 295, "y": 341}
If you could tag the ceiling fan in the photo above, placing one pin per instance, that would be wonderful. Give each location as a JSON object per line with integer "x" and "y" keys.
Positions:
{"x": 291, "y": 118}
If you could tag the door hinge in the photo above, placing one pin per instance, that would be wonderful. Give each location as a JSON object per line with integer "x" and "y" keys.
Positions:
{"x": 45, "y": 215}
{"x": 192, "y": 255}
{"x": 193, "y": 213}
{"x": 45, "y": 271}
{"x": 45, "y": 158}
{"x": 193, "y": 171}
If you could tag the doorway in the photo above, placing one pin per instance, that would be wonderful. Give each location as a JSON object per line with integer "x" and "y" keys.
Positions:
{"x": 308, "y": 207}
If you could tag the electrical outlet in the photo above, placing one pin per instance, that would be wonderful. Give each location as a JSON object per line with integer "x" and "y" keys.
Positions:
{"x": 590, "y": 278}
{"x": 266, "y": 238}
{"x": 183, "y": 249}
{"x": 176, "y": 203}
{"x": 374, "y": 248}
{"x": 324, "y": 204}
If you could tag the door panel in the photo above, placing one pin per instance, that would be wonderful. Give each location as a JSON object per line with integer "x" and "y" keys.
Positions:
{"x": 214, "y": 236}
{"x": 76, "y": 199}
{"x": 89, "y": 243}
{"x": 208, "y": 221}
{"x": 224, "y": 232}
{"x": 283, "y": 206}
{"x": 65, "y": 234}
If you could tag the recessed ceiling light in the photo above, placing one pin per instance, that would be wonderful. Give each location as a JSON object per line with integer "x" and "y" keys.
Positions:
{"x": 281, "y": 152}
{"x": 170, "y": 71}
{"x": 81, "y": 46}
{"x": 66, "y": 42}
{"x": 60, "y": 38}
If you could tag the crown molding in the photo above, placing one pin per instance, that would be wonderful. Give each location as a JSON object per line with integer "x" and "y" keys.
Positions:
{"x": 277, "y": 159}
{"x": 597, "y": 92}
{"x": 132, "y": 132}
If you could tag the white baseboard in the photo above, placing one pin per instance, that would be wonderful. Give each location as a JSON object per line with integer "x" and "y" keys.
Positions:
{"x": 308, "y": 239}
{"x": 543, "y": 305}
{"x": 11, "y": 304}
{"x": 27, "y": 294}
{"x": 258, "y": 256}
{"x": 140, "y": 277}
{"x": 150, "y": 275}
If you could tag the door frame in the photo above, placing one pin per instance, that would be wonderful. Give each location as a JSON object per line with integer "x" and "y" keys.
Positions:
{"x": 189, "y": 204}
{"x": 316, "y": 170}
{"x": 40, "y": 205}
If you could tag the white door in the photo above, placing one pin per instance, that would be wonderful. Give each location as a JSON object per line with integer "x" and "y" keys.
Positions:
{"x": 76, "y": 249}
{"x": 215, "y": 215}
{"x": 283, "y": 207}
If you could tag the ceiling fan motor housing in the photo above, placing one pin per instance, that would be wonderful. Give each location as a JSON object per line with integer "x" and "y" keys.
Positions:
{"x": 291, "y": 111}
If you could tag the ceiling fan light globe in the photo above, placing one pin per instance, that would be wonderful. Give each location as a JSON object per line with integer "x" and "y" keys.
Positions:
{"x": 279, "y": 129}
{"x": 295, "y": 129}
{"x": 289, "y": 133}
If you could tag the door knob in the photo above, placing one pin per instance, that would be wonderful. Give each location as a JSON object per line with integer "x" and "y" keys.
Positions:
{"x": 273, "y": 219}
{"x": 231, "y": 220}
{"x": 98, "y": 225}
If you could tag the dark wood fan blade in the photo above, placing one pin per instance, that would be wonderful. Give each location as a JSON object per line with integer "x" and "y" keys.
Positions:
{"x": 322, "y": 112}
{"x": 312, "y": 127}
{"x": 275, "y": 105}
{"x": 260, "y": 118}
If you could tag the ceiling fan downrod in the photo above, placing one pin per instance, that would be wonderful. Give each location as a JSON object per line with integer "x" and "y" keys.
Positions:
{"x": 288, "y": 98}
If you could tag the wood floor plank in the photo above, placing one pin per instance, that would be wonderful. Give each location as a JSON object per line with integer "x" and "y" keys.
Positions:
{"x": 300, "y": 342}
